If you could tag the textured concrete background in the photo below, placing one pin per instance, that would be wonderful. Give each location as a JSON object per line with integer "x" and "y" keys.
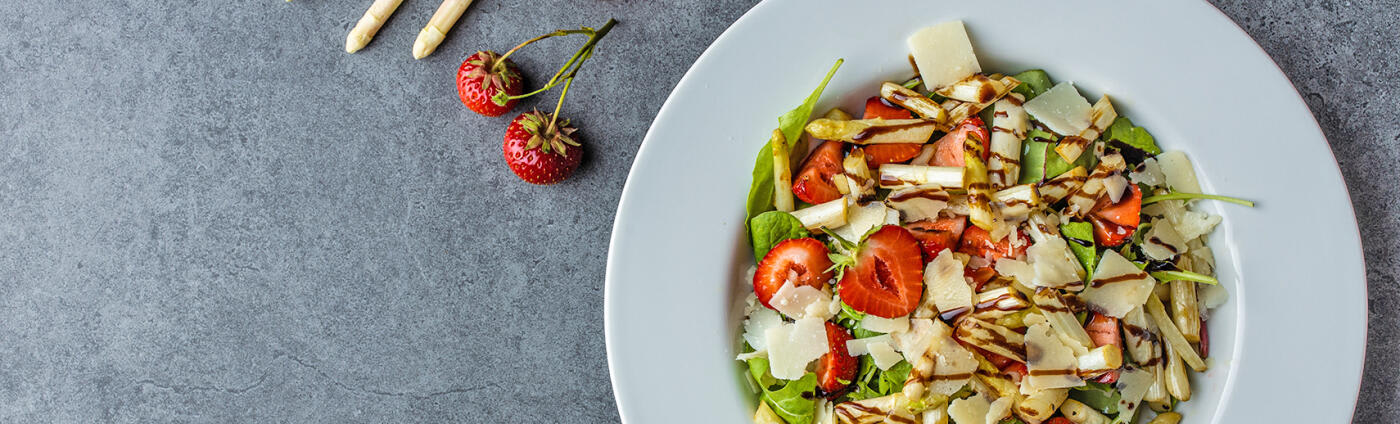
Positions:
{"x": 210, "y": 213}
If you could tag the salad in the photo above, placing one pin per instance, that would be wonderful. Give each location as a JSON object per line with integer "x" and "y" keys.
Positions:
{"x": 976, "y": 247}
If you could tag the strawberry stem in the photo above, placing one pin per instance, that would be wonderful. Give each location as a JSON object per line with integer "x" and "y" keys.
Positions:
{"x": 555, "y": 117}
{"x": 574, "y": 64}
{"x": 500, "y": 62}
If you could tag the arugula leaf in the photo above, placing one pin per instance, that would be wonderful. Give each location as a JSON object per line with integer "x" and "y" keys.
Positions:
{"x": 1080, "y": 236}
{"x": 770, "y": 228}
{"x": 791, "y": 123}
{"x": 849, "y": 313}
{"x": 796, "y": 402}
{"x": 758, "y": 367}
{"x": 1100, "y": 396}
{"x": 1033, "y": 82}
{"x": 892, "y": 380}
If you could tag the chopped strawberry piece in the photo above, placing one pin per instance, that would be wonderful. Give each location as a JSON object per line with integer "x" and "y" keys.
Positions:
{"x": 1114, "y": 223}
{"x": 1103, "y": 331}
{"x": 813, "y": 183}
{"x": 888, "y": 277}
{"x": 837, "y": 368}
{"x": 978, "y": 242}
{"x": 876, "y": 107}
{"x": 948, "y": 151}
{"x": 880, "y": 154}
{"x": 803, "y": 262}
{"x": 980, "y": 276}
{"x": 937, "y": 235}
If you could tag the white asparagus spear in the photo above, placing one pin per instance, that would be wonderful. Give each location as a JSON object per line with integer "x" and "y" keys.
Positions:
{"x": 369, "y": 24}
{"x": 436, "y": 30}
{"x": 1008, "y": 129}
{"x": 782, "y": 173}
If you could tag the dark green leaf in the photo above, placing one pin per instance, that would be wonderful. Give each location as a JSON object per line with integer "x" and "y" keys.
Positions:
{"x": 770, "y": 228}
{"x": 1033, "y": 82}
{"x": 1124, "y": 131}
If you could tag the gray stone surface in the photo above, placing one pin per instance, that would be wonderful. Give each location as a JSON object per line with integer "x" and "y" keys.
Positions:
{"x": 210, "y": 213}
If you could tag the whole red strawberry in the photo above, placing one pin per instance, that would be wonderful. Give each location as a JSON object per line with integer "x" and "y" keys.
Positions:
{"x": 539, "y": 150}
{"x": 485, "y": 79}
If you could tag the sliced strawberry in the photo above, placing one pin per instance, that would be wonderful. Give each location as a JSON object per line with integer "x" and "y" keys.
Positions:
{"x": 936, "y": 235}
{"x": 800, "y": 261}
{"x": 980, "y": 276}
{"x": 837, "y": 368}
{"x": 813, "y": 183}
{"x": 880, "y": 154}
{"x": 1016, "y": 370}
{"x": 888, "y": 277}
{"x": 876, "y": 107}
{"x": 1114, "y": 223}
{"x": 1103, "y": 331}
{"x": 978, "y": 242}
{"x": 948, "y": 151}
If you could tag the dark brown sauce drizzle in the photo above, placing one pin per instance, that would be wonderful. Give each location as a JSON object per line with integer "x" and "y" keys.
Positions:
{"x": 1125, "y": 277}
{"x": 872, "y": 132}
{"x": 1158, "y": 241}
{"x": 940, "y": 196}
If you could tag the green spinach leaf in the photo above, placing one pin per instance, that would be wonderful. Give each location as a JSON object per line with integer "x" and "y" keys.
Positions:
{"x": 1056, "y": 165}
{"x": 1136, "y": 137}
{"x": 770, "y": 228}
{"x": 791, "y": 124}
{"x": 1033, "y": 82}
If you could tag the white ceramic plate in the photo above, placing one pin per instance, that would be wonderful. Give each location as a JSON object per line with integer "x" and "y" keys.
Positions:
{"x": 1289, "y": 345}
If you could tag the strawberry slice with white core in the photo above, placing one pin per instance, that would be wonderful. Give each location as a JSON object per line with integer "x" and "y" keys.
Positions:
{"x": 888, "y": 277}
{"x": 798, "y": 262}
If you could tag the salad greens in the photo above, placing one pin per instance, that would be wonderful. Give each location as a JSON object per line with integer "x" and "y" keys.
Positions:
{"x": 1033, "y": 82}
{"x": 870, "y": 382}
{"x": 1100, "y": 396}
{"x": 1133, "y": 142}
{"x": 1080, "y": 236}
{"x": 770, "y": 228}
{"x": 796, "y": 401}
{"x": 1039, "y": 162}
{"x": 1015, "y": 285}
{"x": 791, "y": 123}
{"x": 1176, "y": 195}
